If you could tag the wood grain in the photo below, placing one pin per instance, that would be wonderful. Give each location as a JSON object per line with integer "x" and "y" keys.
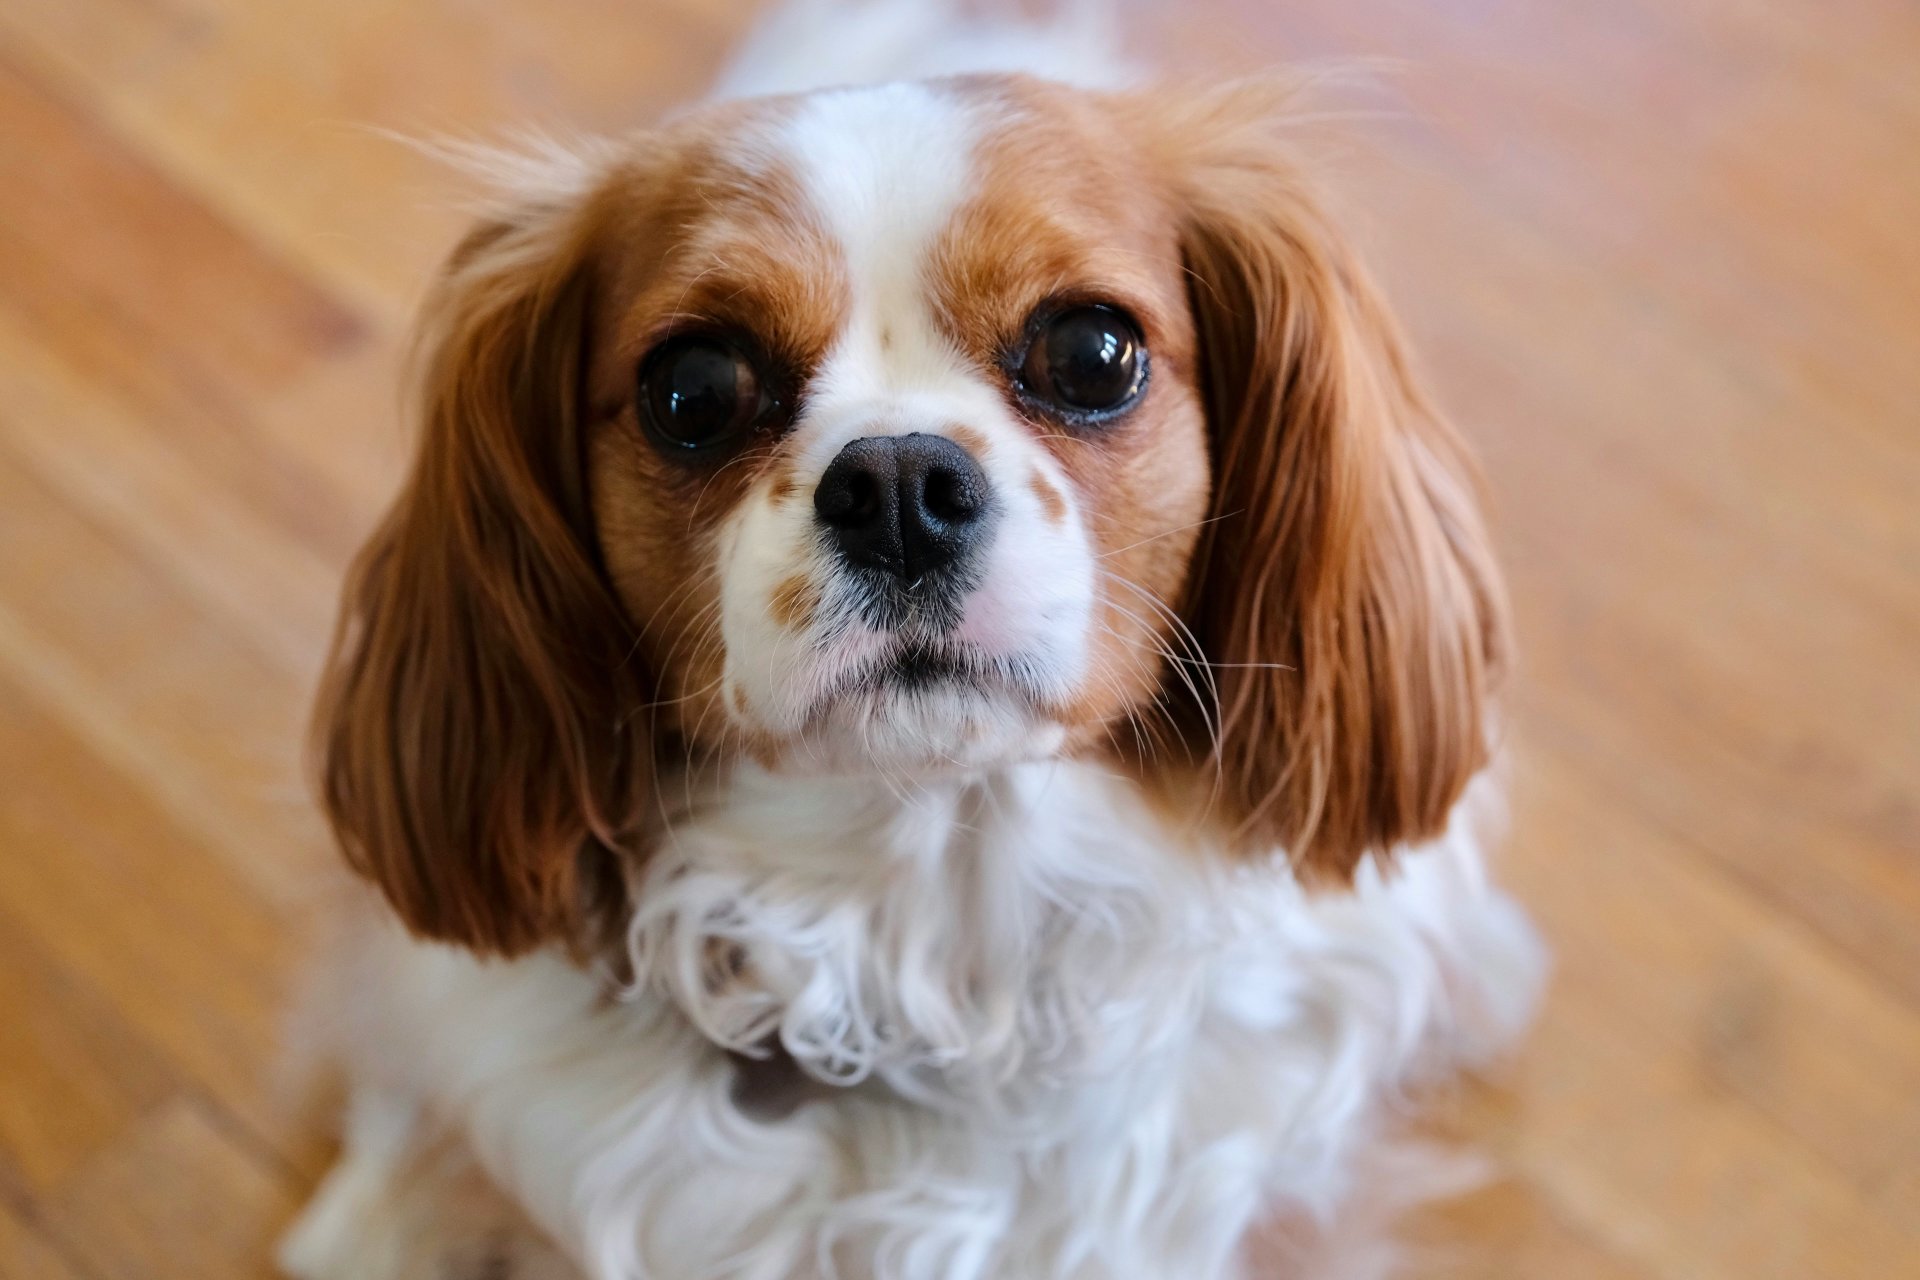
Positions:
{"x": 1660, "y": 258}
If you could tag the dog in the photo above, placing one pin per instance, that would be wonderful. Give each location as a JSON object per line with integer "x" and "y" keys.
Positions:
{"x": 927, "y": 708}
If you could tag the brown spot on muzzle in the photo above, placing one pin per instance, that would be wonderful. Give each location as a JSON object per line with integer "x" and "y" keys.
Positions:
{"x": 1051, "y": 501}
{"x": 970, "y": 440}
{"x": 784, "y": 485}
{"x": 794, "y": 602}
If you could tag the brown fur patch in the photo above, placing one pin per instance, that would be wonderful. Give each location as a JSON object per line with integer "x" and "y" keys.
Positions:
{"x": 794, "y": 602}
{"x": 969, "y": 439}
{"x": 1048, "y": 496}
{"x": 783, "y": 485}
{"x": 762, "y": 750}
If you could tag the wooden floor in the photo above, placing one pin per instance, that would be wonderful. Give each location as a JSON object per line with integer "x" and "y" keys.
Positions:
{"x": 1662, "y": 256}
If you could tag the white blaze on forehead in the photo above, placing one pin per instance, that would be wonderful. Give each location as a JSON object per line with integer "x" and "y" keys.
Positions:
{"x": 882, "y": 174}
{"x": 884, "y": 169}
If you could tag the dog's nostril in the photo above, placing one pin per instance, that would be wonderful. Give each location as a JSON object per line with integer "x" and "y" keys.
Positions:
{"x": 853, "y": 501}
{"x": 949, "y": 495}
{"x": 858, "y": 490}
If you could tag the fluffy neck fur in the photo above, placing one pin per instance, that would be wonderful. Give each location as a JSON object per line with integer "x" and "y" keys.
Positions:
{"x": 1062, "y": 1040}
{"x": 982, "y": 941}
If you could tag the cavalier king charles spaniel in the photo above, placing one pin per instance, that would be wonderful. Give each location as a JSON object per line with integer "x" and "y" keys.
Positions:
{"x": 924, "y": 710}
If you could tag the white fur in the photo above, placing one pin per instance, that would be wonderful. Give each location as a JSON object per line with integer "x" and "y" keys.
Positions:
{"x": 1054, "y": 1038}
{"x": 1061, "y": 1042}
{"x": 803, "y": 45}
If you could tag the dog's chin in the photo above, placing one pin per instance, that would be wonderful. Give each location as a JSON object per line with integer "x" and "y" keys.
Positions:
{"x": 926, "y": 710}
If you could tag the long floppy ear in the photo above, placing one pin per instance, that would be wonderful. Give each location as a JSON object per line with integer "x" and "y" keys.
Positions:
{"x": 1344, "y": 584}
{"x": 469, "y": 726}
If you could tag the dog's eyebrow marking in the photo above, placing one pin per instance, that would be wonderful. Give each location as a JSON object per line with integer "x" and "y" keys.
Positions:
{"x": 1051, "y": 502}
{"x": 794, "y": 601}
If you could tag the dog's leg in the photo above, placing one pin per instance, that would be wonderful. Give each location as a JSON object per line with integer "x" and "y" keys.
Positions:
{"x": 334, "y": 1235}
{"x": 404, "y": 1203}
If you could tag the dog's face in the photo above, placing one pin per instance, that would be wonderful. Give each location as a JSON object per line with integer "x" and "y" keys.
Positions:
{"x": 897, "y": 458}
{"x": 924, "y": 427}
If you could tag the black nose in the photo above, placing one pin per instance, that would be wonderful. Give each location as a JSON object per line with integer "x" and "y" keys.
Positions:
{"x": 906, "y": 505}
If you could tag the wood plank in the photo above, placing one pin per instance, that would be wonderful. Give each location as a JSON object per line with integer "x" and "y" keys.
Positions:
{"x": 118, "y": 232}
{"x": 113, "y": 462}
{"x": 1671, "y": 958}
{"x": 213, "y": 1216}
{"x": 134, "y": 284}
{"x": 1508, "y": 1231}
{"x": 27, "y": 1254}
{"x": 76, "y": 1076}
{"x": 246, "y": 104}
{"x": 1657, "y": 1168}
{"x": 152, "y": 924}
{"x": 203, "y": 723}
{"x": 1667, "y": 1104}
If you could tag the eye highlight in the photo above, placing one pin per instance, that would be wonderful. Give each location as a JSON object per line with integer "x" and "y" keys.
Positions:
{"x": 1084, "y": 362}
{"x": 700, "y": 392}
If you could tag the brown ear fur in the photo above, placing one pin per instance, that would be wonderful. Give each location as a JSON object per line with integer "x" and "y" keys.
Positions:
{"x": 470, "y": 724}
{"x": 1345, "y": 541}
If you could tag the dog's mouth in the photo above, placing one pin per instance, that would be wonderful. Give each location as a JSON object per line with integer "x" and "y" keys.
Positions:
{"x": 920, "y": 666}
{"x": 920, "y": 702}
{"x": 915, "y": 667}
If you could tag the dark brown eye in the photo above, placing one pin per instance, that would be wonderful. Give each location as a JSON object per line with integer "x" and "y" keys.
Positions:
{"x": 1087, "y": 361}
{"x": 698, "y": 392}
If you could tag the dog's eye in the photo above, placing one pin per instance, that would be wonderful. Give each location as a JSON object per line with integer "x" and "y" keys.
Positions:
{"x": 1088, "y": 361}
{"x": 698, "y": 392}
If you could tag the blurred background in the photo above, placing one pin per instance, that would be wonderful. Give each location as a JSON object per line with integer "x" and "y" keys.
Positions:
{"x": 1662, "y": 258}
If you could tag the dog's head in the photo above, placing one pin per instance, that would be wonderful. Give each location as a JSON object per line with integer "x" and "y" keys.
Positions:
{"x": 923, "y": 427}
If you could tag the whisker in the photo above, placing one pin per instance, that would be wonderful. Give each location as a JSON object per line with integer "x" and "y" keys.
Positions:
{"x": 1197, "y": 524}
{"x": 1211, "y": 712}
